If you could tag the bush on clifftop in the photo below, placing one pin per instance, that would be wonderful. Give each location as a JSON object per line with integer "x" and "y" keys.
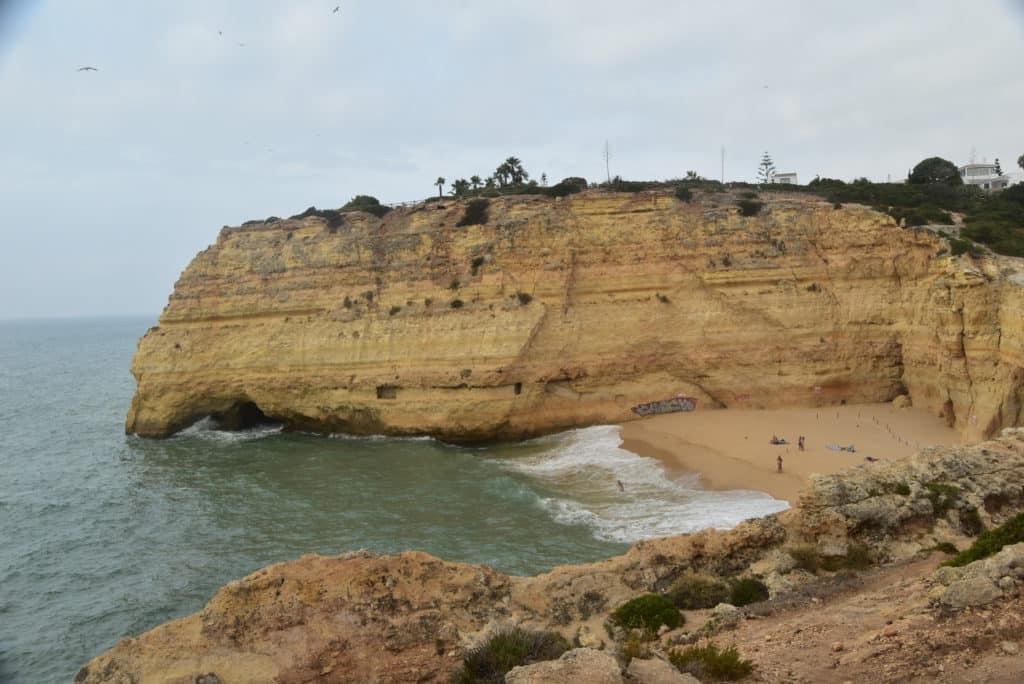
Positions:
{"x": 648, "y": 612}
{"x": 991, "y": 542}
{"x": 489, "y": 662}
{"x": 694, "y": 592}
{"x": 710, "y": 663}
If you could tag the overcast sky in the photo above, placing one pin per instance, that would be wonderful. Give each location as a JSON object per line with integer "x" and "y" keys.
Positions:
{"x": 211, "y": 112}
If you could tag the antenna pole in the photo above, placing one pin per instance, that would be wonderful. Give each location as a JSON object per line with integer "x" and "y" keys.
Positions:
{"x": 607, "y": 156}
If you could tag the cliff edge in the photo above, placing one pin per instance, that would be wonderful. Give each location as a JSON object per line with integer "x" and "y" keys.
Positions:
{"x": 552, "y": 313}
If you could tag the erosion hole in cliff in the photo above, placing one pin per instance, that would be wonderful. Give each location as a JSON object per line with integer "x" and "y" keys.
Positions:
{"x": 244, "y": 415}
{"x": 518, "y": 388}
{"x": 387, "y": 392}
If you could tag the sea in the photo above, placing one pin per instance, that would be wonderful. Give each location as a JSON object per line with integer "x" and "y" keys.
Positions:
{"x": 105, "y": 535}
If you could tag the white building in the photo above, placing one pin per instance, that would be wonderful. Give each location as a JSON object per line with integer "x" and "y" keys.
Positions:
{"x": 984, "y": 176}
{"x": 789, "y": 178}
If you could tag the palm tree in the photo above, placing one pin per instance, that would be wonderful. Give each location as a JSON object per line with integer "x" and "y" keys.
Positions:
{"x": 474, "y": 181}
{"x": 516, "y": 171}
{"x": 440, "y": 185}
{"x": 460, "y": 187}
{"x": 502, "y": 174}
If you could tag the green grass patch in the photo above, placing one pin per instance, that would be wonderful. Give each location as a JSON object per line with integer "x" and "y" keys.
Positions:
{"x": 648, "y": 612}
{"x": 684, "y": 194}
{"x": 991, "y": 542}
{"x": 903, "y": 489}
{"x": 710, "y": 663}
{"x": 489, "y": 662}
{"x": 806, "y": 557}
{"x": 694, "y": 592}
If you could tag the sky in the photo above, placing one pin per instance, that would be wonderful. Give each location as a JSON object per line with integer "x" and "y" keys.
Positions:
{"x": 205, "y": 113}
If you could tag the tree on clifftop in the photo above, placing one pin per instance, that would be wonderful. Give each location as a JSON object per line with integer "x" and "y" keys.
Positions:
{"x": 766, "y": 171}
{"x": 440, "y": 186}
{"x": 935, "y": 171}
{"x": 1020, "y": 161}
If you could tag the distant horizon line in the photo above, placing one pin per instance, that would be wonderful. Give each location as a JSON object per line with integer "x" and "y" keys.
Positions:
{"x": 43, "y": 318}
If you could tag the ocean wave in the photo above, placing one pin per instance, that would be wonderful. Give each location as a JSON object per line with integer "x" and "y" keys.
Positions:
{"x": 578, "y": 475}
{"x": 206, "y": 429}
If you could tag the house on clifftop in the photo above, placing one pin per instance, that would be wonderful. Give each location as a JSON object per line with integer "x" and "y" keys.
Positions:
{"x": 984, "y": 176}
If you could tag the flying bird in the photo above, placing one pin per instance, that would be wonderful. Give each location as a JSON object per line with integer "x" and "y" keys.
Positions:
{"x": 241, "y": 45}
{"x": 336, "y": 9}
{"x": 220, "y": 33}
{"x": 87, "y": 68}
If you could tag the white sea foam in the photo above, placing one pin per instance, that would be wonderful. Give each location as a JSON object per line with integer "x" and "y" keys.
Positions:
{"x": 577, "y": 472}
{"x": 206, "y": 429}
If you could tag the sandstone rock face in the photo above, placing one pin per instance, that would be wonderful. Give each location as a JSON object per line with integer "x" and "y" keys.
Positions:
{"x": 568, "y": 312}
{"x": 657, "y": 671}
{"x": 981, "y": 582}
{"x": 578, "y": 665}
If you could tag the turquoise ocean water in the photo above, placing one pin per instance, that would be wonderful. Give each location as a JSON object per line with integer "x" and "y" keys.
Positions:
{"x": 104, "y": 536}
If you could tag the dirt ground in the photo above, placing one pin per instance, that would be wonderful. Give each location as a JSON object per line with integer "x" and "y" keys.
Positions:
{"x": 876, "y": 627}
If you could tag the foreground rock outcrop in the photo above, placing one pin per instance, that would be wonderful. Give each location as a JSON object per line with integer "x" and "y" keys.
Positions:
{"x": 567, "y": 312}
{"x": 411, "y": 617}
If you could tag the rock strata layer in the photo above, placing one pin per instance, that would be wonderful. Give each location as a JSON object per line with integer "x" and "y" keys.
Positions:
{"x": 568, "y": 312}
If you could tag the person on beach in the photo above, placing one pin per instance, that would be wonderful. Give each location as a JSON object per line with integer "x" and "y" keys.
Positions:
{"x": 800, "y": 442}
{"x": 779, "y": 461}
{"x": 622, "y": 487}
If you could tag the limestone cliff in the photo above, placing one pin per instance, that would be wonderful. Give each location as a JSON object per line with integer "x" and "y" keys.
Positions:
{"x": 565, "y": 312}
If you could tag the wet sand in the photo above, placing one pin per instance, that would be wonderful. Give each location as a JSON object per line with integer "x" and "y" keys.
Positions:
{"x": 731, "y": 448}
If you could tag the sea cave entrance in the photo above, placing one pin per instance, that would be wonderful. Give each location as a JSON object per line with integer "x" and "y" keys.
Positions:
{"x": 244, "y": 415}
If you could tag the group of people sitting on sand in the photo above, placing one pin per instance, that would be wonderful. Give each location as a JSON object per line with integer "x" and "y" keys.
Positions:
{"x": 799, "y": 442}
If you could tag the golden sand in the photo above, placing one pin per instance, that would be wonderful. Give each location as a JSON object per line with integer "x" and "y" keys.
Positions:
{"x": 731, "y": 448}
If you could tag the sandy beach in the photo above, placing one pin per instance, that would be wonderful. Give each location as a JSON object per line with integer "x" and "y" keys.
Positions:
{"x": 731, "y": 448}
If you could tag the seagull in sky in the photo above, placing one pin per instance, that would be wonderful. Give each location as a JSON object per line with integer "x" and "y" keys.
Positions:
{"x": 241, "y": 45}
{"x": 87, "y": 68}
{"x": 336, "y": 9}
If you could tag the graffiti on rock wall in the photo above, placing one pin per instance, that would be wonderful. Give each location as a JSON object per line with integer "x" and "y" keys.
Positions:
{"x": 674, "y": 405}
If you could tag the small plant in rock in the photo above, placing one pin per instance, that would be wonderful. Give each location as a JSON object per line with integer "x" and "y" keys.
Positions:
{"x": 648, "y": 612}
{"x": 476, "y": 264}
{"x": 590, "y": 602}
{"x": 903, "y": 489}
{"x": 634, "y": 648}
{"x": 393, "y": 310}
{"x": 991, "y": 542}
{"x": 970, "y": 522}
{"x": 662, "y": 298}
{"x": 710, "y": 663}
{"x": 454, "y": 285}
{"x": 524, "y": 297}
{"x": 489, "y": 662}
{"x": 806, "y": 557}
{"x": 694, "y": 592}
{"x": 942, "y": 497}
{"x": 945, "y": 547}
{"x": 746, "y": 591}
{"x": 456, "y": 304}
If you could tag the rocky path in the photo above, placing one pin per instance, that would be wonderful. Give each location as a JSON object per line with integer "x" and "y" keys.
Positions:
{"x": 877, "y": 627}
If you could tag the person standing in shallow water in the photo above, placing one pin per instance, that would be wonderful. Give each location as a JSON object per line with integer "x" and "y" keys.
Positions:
{"x": 779, "y": 462}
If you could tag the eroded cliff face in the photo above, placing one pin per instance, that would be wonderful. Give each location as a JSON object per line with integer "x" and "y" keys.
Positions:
{"x": 561, "y": 313}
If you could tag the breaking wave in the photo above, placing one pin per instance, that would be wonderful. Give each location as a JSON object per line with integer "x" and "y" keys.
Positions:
{"x": 577, "y": 475}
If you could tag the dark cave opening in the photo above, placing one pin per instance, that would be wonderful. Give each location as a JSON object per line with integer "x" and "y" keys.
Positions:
{"x": 244, "y": 415}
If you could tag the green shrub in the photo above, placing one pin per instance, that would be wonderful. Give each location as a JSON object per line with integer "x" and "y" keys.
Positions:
{"x": 488, "y": 663}
{"x": 475, "y": 214}
{"x": 903, "y": 489}
{"x": 476, "y": 264}
{"x": 749, "y": 207}
{"x": 942, "y": 497}
{"x": 456, "y": 304}
{"x": 524, "y": 297}
{"x": 710, "y": 663}
{"x": 393, "y": 310}
{"x": 747, "y": 590}
{"x": 568, "y": 186}
{"x": 806, "y": 557}
{"x": 591, "y": 602}
{"x": 454, "y": 285}
{"x": 837, "y": 205}
{"x": 334, "y": 219}
{"x": 958, "y": 246}
{"x": 648, "y": 612}
{"x": 367, "y": 203}
{"x": 694, "y": 592}
{"x": 684, "y": 194}
{"x": 991, "y": 542}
